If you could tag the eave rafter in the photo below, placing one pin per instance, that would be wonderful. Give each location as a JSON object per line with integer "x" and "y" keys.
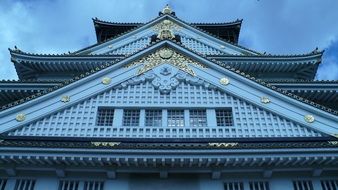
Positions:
{"x": 204, "y": 57}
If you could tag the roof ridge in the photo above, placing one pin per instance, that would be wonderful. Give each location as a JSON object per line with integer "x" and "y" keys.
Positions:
{"x": 237, "y": 21}
{"x": 29, "y": 81}
{"x": 301, "y": 81}
{"x": 259, "y": 81}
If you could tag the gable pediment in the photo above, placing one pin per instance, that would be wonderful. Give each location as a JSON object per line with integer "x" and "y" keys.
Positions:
{"x": 168, "y": 27}
{"x": 164, "y": 74}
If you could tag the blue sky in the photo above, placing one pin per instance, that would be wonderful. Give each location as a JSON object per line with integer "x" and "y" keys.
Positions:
{"x": 277, "y": 27}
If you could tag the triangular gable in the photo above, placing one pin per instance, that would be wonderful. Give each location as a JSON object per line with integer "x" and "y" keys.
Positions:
{"x": 191, "y": 37}
{"x": 149, "y": 89}
{"x": 231, "y": 82}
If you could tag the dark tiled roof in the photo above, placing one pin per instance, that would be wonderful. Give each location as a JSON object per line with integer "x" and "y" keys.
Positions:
{"x": 168, "y": 145}
{"x": 259, "y": 81}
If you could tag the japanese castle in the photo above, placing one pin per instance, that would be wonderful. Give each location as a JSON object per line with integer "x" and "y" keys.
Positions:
{"x": 168, "y": 105}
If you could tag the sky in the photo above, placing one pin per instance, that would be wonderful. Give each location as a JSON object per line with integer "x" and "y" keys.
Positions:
{"x": 276, "y": 27}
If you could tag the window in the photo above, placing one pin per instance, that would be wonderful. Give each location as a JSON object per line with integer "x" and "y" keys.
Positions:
{"x": 259, "y": 185}
{"x": 105, "y": 117}
{"x": 154, "y": 118}
{"x": 131, "y": 118}
{"x": 93, "y": 185}
{"x": 302, "y": 185}
{"x": 329, "y": 184}
{"x": 233, "y": 186}
{"x": 24, "y": 184}
{"x": 224, "y": 117}
{"x": 175, "y": 118}
{"x": 3, "y": 183}
{"x": 198, "y": 118}
{"x": 68, "y": 185}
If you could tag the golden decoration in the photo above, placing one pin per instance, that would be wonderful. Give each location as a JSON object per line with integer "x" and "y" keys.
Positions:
{"x": 165, "y": 55}
{"x": 309, "y": 118}
{"x": 265, "y": 100}
{"x": 65, "y": 98}
{"x": 20, "y": 117}
{"x": 333, "y": 142}
{"x": 106, "y": 80}
{"x": 167, "y": 10}
{"x": 165, "y": 29}
{"x": 223, "y": 145}
{"x": 105, "y": 144}
{"x": 224, "y": 81}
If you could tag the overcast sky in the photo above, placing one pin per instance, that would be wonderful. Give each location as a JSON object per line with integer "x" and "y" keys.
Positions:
{"x": 277, "y": 27}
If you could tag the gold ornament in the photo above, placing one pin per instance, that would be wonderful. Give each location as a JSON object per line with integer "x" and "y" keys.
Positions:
{"x": 167, "y": 10}
{"x": 20, "y": 117}
{"x": 165, "y": 55}
{"x": 224, "y": 81}
{"x": 65, "y": 98}
{"x": 309, "y": 118}
{"x": 165, "y": 29}
{"x": 265, "y": 100}
{"x": 106, "y": 80}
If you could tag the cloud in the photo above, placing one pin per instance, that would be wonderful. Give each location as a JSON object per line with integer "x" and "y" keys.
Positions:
{"x": 278, "y": 27}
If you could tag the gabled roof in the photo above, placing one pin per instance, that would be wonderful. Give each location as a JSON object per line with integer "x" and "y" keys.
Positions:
{"x": 326, "y": 119}
{"x": 228, "y": 31}
{"x": 180, "y": 22}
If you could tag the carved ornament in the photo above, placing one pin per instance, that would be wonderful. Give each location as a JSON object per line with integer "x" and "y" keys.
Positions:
{"x": 166, "y": 55}
{"x": 106, "y": 80}
{"x": 265, "y": 100}
{"x": 309, "y": 118}
{"x": 65, "y": 98}
{"x": 20, "y": 117}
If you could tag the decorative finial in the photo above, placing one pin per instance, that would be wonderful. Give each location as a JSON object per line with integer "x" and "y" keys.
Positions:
{"x": 309, "y": 118}
{"x": 224, "y": 81}
{"x": 167, "y": 10}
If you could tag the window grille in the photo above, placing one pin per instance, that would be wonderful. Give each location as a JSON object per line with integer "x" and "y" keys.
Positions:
{"x": 233, "y": 186}
{"x": 68, "y": 185}
{"x": 175, "y": 118}
{"x": 198, "y": 118}
{"x": 329, "y": 184}
{"x": 105, "y": 117}
{"x": 131, "y": 118}
{"x": 24, "y": 184}
{"x": 259, "y": 185}
{"x": 93, "y": 185}
{"x": 302, "y": 185}
{"x": 154, "y": 118}
{"x": 224, "y": 117}
{"x": 3, "y": 183}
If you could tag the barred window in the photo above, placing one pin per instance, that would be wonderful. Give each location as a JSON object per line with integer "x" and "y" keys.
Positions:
{"x": 224, "y": 117}
{"x": 154, "y": 118}
{"x": 93, "y": 185}
{"x": 302, "y": 185}
{"x": 24, "y": 184}
{"x": 233, "y": 186}
{"x": 175, "y": 118}
{"x": 131, "y": 118}
{"x": 259, "y": 185}
{"x": 105, "y": 116}
{"x": 3, "y": 183}
{"x": 198, "y": 118}
{"x": 329, "y": 184}
{"x": 68, "y": 185}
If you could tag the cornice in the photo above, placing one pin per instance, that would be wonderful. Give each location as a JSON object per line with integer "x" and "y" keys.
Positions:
{"x": 259, "y": 81}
